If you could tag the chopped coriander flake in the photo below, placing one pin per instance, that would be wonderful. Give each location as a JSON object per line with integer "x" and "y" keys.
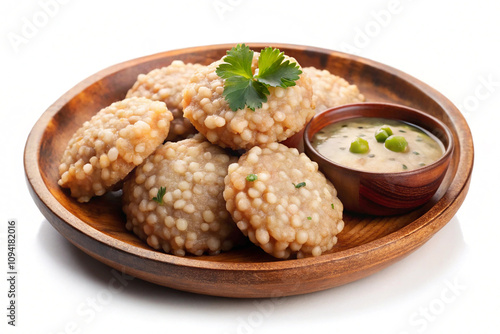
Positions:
{"x": 159, "y": 196}
{"x": 299, "y": 185}
{"x": 251, "y": 177}
{"x": 309, "y": 218}
{"x": 333, "y": 206}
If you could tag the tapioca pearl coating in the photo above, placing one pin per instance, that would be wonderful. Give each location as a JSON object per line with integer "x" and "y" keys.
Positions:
{"x": 108, "y": 146}
{"x": 330, "y": 90}
{"x": 192, "y": 218}
{"x": 281, "y": 218}
{"x": 166, "y": 84}
{"x": 285, "y": 113}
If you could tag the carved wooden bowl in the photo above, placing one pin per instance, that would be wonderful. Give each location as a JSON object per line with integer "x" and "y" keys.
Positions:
{"x": 366, "y": 245}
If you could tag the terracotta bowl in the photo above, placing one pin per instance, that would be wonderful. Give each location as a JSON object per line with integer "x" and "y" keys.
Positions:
{"x": 381, "y": 193}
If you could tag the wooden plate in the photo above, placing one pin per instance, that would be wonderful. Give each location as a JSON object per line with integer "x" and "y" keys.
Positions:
{"x": 366, "y": 245}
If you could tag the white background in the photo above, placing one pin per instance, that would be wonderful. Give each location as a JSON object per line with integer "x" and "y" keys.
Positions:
{"x": 448, "y": 285}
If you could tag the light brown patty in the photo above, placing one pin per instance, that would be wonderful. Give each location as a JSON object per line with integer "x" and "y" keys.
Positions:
{"x": 192, "y": 217}
{"x": 106, "y": 148}
{"x": 291, "y": 208}
{"x": 166, "y": 84}
{"x": 330, "y": 90}
{"x": 285, "y": 113}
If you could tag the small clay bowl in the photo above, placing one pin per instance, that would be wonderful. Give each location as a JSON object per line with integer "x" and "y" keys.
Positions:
{"x": 381, "y": 193}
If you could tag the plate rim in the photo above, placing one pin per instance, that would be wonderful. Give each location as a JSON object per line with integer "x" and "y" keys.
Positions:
{"x": 445, "y": 207}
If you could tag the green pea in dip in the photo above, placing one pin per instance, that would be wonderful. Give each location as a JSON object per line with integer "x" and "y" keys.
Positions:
{"x": 378, "y": 145}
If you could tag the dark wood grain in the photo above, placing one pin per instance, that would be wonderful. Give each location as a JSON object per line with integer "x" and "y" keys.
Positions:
{"x": 366, "y": 245}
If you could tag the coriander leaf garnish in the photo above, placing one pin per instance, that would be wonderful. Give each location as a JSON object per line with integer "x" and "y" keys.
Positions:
{"x": 333, "y": 206}
{"x": 238, "y": 62}
{"x": 159, "y": 196}
{"x": 239, "y": 91}
{"x": 274, "y": 72}
{"x": 242, "y": 87}
{"x": 299, "y": 185}
{"x": 251, "y": 177}
{"x": 309, "y": 218}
